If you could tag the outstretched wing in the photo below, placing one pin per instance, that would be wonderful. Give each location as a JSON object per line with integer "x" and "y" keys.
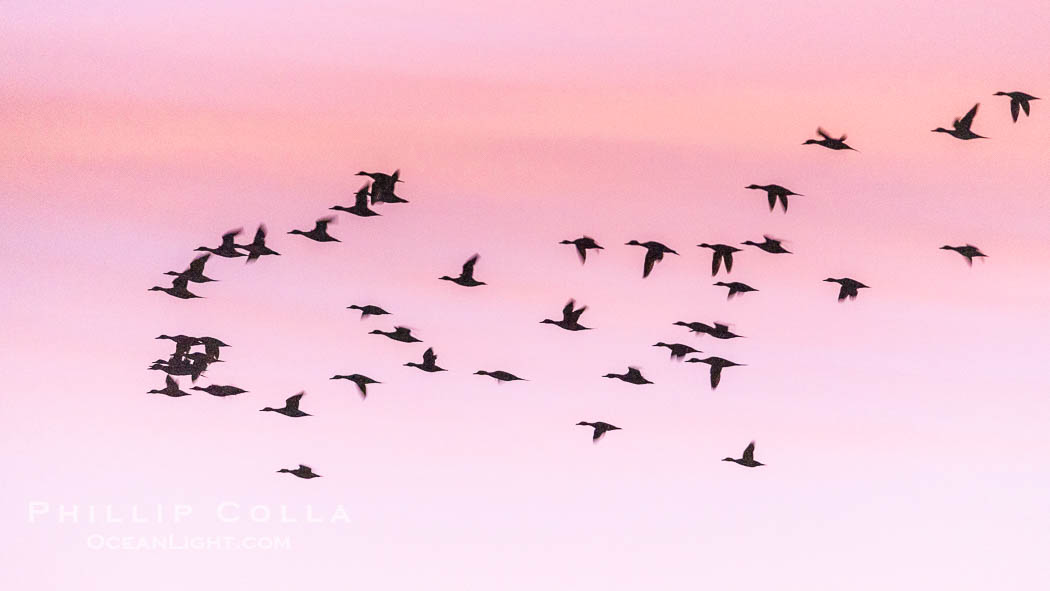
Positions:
{"x": 822, "y": 133}
{"x": 429, "y": 357}
{"x": 227, "y": 238}
{"x": 468, "y": 267}
{"x": 749, "y": 452}
{"x": 197, "y": 264}
{"x": 651, "y": 256}
{"x": 716, "y": 263}
{"x": 716, "y": 375}
{"x": 292, "y": 403}
{"x": 967, "y": 119}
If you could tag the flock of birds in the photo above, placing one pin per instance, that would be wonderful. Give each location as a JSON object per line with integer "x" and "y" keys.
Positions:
{"x": 185, "y": 361}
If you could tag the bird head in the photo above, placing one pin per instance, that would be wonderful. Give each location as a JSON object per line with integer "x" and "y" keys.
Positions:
{"x": 633, "y": 243}
{"x": 752, "y": 187}
{"x": 584, "y": 423}
{"x": 283, "y": 470}
{"x": 728, "y": 460}
{"x": 566, "y": 242}
{"x": 1001, "y": 94}
{"x": 941, "y": 129}
{"x": 749, "y": 243}
{"x": 810, "y": 142}
{"x": 548, "y": 321}
{"x": 481, "y": 372}
{"x": 946, "y": 247}
{"x": 265, "y": 409}
{"x": 831, "y": 280}
{"x": 376, "y": 331}
{"x": 446, "y": 278}
{"x": 296, "y": 232}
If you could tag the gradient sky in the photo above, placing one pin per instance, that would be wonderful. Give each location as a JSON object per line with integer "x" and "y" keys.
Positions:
{"x": 904, "y": 433}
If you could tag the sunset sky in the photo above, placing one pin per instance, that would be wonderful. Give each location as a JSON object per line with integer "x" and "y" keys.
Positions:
{"x": 904, "y": 433}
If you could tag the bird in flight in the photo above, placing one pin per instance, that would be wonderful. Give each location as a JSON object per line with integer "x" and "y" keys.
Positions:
{"x": 171, "y": 388}
{"x": 227, "y": 249}
{"x": 600, "y": 428}
{"x": 360, "y": 206}
{"x": 320, "y": 231}
{"x": 696, "y": 327}
{"x": 748, "y": 458}
{"x": 362, "y": 382}
{"x": 499, "y": 375}
{"x": 829, "y": 142}
{"x": 429, "y": 362}
{"x": 570, "y": 317}
{"x": 195, "y": 272}
{"x": 178, "y": 288}
{"x": 257, "y": 247}
{"x": 216, "y": 390}
{"x": 400, "y": 333}
{"x": 1018, "y": 101}
{"x": 774, "y": 192}
{"x": 383, "y": 186}
{"x": 678, "y": 350}
{"x": 654, "y": 251}
{"x": 735, "y": 287}
{"x": 466, "y": 276}
{"x": 633, "y": 376}
{"x": 770, "y": 245}
{"x": 723, "y": 253}
{"x": 302, "y": 472}
{"x": 717, "y": 364}
{"x": 848, "y": 287}
{"x": 582, "y": 246}
{"x": 969, "y": 251}
{"x": 290, "y": 408}
{"x": 368, "y": 310}
{"x": 961, "y": 126}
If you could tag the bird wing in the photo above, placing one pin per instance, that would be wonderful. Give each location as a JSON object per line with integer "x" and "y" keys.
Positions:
{"x": 1025, "y": 106}
{"x": 716, "y": 263}
{"x": 772, "y": 200}
{"x": 260, "y": 235}
{"x": 581, "y": 250}
{"x": 822, "y": 133}
{"x": 170, "y": 382}
{"x": 227, "y": 238}
{"x": 967, "y": 119}
{"x": 292, "y": 403}
{"x": 322, "y": 224}
{"x": 361, "y": 197}
{"x": 197, "y": 264}
{"x": 749, "y": 452}
{"x": 844, "y": 292}
{"x": 1015, "y": 108}
{"x": 429, "y": 357}
{"x": 728, "y": 258}
{"x": 716, "y": 375}
{"x": 468, "y": 267}
{"x": 651, "y": 256}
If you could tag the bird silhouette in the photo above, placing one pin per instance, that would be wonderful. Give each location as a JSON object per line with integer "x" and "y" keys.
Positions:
{"x": 182, "y": 343}
{"x": 368, "y": 310}
{"x": 570, "y": 317}
{"x": 360, "y": 206}
{"x": 383, "y": 186}
{"x": 195, "y": 272}
{"x": 320, "y": 231}
{"x": 969, "y": 251}
{"x": 290, "y": 408}
{"x": 178, "y": 289}
{"x": 211, "y": 346}
{"x": 227, "y": 249}
{"x": 829, "y": 142}
{"x": 171, "y": 388}
{"x": 723, "y": 253}
{"x": 678, "y": 350}
{"x": 1018, "y": 101}
{"x": 600, "y": 428}
{"x": 717, "y": 365}
{"x": 400, "y": 333}
{"x": 696, "y": 327}
{"x": 961, "y": 126}
{"x": 735, "y": 288}
{"x": 499, "y": 375}
{"x": 302, "y": 472}
{"x": 748, "y": 458}
{"x": 774, "y": 192}
{"x": 429, "y": 362}
{"x": 654, "y": 251}
{"x": 848, "y": 287}
{"x": 721, "y": 331}
{"x": 770, "y": 245}
{"x": 257, "y": 247}
{"x": 215, "y": 390}
{"x": 466, "y": 277}
{"x": 633, "y": 376}
{"x": 582, "y": 246}
{"x": 361, "y": 381}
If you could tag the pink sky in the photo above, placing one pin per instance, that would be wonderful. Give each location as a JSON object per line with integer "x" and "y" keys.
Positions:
{"x": 904, "y": 433}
